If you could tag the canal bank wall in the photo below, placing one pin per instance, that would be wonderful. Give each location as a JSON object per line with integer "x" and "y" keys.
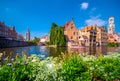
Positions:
{"x": 6, "y": 43}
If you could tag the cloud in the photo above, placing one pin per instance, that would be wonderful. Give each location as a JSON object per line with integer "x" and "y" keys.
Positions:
{"x": 95, "y": 20}
{"x": 84, "y": 5}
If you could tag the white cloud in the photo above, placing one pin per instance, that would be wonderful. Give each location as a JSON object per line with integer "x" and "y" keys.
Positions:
{"x": 84, "y": 5}
{"x": 95, "y": 20}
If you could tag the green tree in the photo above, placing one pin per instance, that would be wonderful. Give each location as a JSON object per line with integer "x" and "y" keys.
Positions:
{"x": 57, "y": 35}
{"x": 35, "y": 40}
{"x": 112, "y": 44}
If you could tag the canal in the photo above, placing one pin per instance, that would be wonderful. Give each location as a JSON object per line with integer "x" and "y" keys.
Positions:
{"x": 51, "y": 51}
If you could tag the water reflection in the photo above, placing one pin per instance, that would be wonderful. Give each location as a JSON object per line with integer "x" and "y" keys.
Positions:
{"x": 51, "y": 51}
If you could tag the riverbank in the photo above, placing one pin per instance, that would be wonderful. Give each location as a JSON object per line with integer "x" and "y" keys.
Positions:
{"x": 70, "y": 67}
{"x": 6, "y": 43}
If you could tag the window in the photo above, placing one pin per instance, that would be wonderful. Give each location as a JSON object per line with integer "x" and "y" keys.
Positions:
{"x": 71, "y": 37}
{"x": 79, "y": 37}
{"x": 77, "y": 33}
{"x": 73, "y": 33}
{"x": 71, "y": 27}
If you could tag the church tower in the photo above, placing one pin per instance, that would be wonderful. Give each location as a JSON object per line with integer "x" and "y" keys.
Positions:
{"x": 111, "y": 26}
{"x": 27, "y": 35}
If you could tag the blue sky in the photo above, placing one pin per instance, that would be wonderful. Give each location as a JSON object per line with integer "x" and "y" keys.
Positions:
{"x": 39, "y": 14}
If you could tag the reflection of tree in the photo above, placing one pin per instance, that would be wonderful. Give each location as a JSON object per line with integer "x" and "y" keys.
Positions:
{"x": 56, "y": 51}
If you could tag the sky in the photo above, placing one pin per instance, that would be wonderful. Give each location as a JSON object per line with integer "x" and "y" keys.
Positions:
{"x": 38, "y": 15}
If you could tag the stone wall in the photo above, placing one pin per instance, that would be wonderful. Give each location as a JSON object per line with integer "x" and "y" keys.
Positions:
{"x": 6, "y": 43}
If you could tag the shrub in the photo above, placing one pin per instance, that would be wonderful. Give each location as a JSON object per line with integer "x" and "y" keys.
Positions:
{"x": 47, "y": 70}
{"x": 107, "y": 68}
{"x": 75, "y": 69}
{"x": 15, "y": 72}
{"x": 68, "y": 68}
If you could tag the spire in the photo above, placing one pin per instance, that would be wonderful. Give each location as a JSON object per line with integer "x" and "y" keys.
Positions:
{"x": 28, "y": 35}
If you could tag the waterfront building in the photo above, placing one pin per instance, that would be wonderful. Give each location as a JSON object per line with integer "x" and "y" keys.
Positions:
{"x": 71, "y": 33}
{"x": 99, "y": 34}
{"x": 111, "y": 39}
{"x": 90, "y": 32}
{"x": 28, "y": 35}
{"x": 20, "y": 37}
{"x": 8, "y": 32}
{"x": 111, "y": 26}
{"x": 112, "y": 35}
{"x": 87, "y": 36}
{"x": 114, "y": 38}
{"x": 101, "y": 37}
{"x": 83, "y": 40}
{"x": 44, "y": 39}
{"x": 13, "y": 33}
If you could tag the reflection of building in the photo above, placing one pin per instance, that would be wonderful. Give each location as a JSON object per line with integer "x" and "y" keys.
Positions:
{"x": 111, "y": 26}
{"x": 8, "y": 32}
{"x": 71, "y": 33}
{"x": 28, "y": 35}
{"x": 45, "y": 39}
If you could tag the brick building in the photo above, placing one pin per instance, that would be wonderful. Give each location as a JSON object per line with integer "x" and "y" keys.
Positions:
{"x": 8, "y": 32}
{"x": 101, "y": 36}
{"x": 88, "y": 36}
{"x": 44, "y": 39}
{"x": 90, "y": 32}
{"x": 71, "y": 33}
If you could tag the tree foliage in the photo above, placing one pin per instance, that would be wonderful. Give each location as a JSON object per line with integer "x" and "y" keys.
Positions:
{"x": 35, "y": 40}
{"x": 112, "y": 44}
{"x": 57, "y": 35}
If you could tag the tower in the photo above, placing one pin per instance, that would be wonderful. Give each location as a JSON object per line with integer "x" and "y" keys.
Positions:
{"x": 111, "y": 26}
{"x": 28, "y": 35}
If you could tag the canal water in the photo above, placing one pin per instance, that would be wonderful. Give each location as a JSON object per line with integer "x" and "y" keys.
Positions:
{"x": 51, "y": 51}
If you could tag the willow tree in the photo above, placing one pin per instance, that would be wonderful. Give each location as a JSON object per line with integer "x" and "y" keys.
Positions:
{"x": 57, "y": 35}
